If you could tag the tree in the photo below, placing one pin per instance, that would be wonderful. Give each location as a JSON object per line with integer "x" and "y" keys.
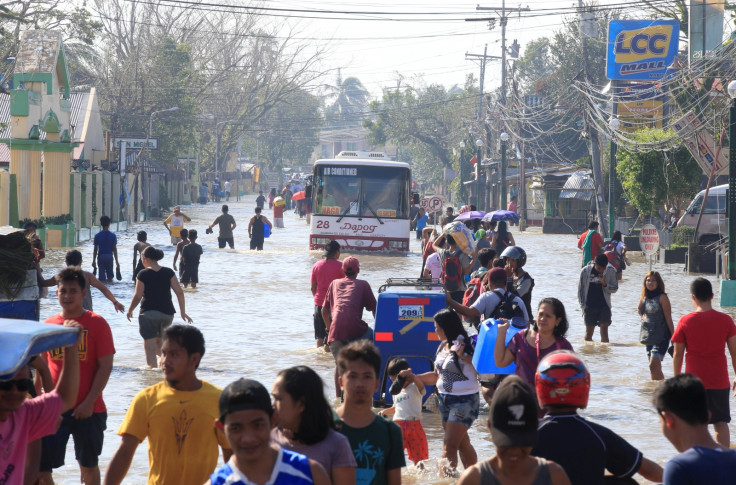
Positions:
{"x": 655, "y": 179}
{"x": 347, "y": 103}
{"x": 290, "y": 131}
{"x": 429, "y": 120}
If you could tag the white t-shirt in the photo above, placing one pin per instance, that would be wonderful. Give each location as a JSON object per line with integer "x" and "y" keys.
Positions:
{"x": 228, "y": 185}
{"x": 453, "y": 382}
{"x": 408, "y": 403}
{"x": 433, "y": 265}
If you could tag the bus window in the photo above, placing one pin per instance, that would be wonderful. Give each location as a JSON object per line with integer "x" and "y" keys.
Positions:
{"x": 385, "y": 194}
{"x": 337, "y": 195}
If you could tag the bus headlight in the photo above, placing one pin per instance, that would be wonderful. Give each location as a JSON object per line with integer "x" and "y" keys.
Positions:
{"x": 320, "y": 241}
{"x": 398, "y": 245}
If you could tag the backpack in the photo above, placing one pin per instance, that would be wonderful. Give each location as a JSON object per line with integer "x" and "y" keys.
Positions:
{"x": 610, "y": 251}
{"x": 452, "y": 272}
{"x": 475, "y": 288}
{"x": 507, "y": 308}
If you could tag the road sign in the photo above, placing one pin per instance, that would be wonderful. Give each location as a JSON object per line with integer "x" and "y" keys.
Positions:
{"x": 424, "y": 203}
{"x": 435, "y": 204}
{"x": 136, "y": 143}
{"x": 649, "y": 240}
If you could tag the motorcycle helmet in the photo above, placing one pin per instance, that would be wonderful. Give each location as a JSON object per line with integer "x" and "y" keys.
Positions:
{"x": 517, "y": 253}
{"x": 562, "y": 380}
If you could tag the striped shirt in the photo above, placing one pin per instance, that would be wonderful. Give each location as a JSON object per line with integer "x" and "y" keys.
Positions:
{"x": 290, "y": 469}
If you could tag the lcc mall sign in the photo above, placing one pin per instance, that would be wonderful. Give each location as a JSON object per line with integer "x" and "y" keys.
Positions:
{"x": 641, "y": 49}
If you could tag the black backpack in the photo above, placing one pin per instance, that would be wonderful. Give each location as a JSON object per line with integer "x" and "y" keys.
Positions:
{"x": 507, "y": 307}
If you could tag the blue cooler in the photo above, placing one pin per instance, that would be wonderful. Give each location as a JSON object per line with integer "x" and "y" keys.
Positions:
{"x": 483, "y": 358}
{"x": 22, "y": 339}
{"x": 404, "y": 327}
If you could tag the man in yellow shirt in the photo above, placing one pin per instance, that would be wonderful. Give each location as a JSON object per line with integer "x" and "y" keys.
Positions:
{"x": 177, "y": 220}
{"x": 177, "y": 416}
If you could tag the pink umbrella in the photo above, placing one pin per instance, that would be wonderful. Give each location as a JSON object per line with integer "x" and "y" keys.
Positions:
{"x": 298, "y": 195}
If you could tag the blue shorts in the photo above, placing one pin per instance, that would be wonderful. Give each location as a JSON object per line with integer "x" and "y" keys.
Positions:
{"x": 104, "y": 267}
{"x": 88, "y": 436}
{"x": 659, "y": 350}
{"x": 459, "y": 409}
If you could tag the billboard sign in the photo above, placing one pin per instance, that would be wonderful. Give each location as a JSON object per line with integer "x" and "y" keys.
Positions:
{"x": 701, "y": 145}
{"x": 641, "y": 106}
{"x": 641, "y": 49}
{"x": 706, "y": 28}
{"x": 135, "y": 143}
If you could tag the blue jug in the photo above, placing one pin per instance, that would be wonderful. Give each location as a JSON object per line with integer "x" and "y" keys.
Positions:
{"x": 483, "y": 359}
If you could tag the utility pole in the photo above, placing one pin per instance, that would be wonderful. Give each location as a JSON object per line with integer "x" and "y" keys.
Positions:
{"x": 504, "y": 15}
{"x": 595, "y": 152}
{"x": 480, "y": 116}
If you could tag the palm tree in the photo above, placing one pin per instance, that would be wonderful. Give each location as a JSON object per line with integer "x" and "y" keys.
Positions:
{"x": 347, "y": 102}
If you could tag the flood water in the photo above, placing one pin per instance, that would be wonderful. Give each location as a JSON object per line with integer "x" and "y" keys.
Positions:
{"x": 255, "y": 310}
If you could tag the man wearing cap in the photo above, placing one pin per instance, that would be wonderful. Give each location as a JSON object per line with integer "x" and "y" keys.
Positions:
{"x": 177, "y": 220}
{"x": 342, "y": 310}
{"x": 513, "y": 424}
{"x": 177, "y": 416}
{"x": 324, "y": 272}
{"x": 246, "y": 418}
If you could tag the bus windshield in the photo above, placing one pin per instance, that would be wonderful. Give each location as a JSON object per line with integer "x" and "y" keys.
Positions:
{"x": 381, "y": 192}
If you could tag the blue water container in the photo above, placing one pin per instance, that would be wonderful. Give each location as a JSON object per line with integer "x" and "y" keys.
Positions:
{"x": 266, "y": 230}
{"x": 483, "y": 359}
{"x": 22, "y": 339}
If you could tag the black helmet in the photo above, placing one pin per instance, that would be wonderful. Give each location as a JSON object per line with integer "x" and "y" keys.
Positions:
{"x": 515, "y": 252}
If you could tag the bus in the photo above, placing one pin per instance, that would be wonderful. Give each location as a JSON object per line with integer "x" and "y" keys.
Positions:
{"x": 361, "y": 200}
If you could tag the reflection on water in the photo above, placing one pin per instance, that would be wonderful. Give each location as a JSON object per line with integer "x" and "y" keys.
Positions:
{"x": 255, "y": 310}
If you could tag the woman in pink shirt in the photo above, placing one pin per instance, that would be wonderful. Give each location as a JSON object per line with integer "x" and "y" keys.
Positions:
{"x": 323, "y": 273}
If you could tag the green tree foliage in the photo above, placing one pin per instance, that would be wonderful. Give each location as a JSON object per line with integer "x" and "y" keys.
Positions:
{"x": 347, "y": 103}
{"x": 290, "y": 131}
{"x": 657, "y": 179}
{"x": 427, "y": 120}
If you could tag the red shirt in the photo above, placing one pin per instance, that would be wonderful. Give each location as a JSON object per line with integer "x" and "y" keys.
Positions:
{"x": 346, "y": 299}
{"x": 596, "y": 241}
{"x": 704, "y": 335}
{"x": 96, "y": 343}
{"x": 278, "y": 211}
{"x": 323, "y": 273}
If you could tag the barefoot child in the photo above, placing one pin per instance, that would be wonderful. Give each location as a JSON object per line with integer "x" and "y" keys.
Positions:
{"x": 184, "y": 234}
{"x": 190, "y": 261}
{"x": 407, "y": 409}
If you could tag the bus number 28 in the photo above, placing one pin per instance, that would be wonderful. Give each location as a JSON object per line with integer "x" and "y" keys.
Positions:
{"x": 323, "y": 224}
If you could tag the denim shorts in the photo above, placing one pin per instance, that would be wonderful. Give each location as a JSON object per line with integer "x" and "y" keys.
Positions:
{"x": 658, "y": 350}
{"x": 459, "y": 409}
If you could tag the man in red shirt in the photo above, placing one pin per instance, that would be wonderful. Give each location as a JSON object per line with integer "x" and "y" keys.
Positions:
{"x": 591, "y": 243}
{"x": 87, "y": 420}
{"x": 701, "y": 337}
{"x": 324, "y": 272}
{"x": 342, "y": 310}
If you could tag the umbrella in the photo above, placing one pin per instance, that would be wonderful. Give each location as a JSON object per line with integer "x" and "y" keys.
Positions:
{"x": 466, "y": 216}
{"x": 279, "y": 201}
{"x": 501, "y": 215}
{"x": 298, "y": 195}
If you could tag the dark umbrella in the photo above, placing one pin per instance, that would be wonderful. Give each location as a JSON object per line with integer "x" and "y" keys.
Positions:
{"x": 501, "y": 215}
{"x": 466, "y": 216}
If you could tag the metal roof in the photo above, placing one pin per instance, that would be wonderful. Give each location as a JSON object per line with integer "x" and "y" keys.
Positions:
{"x": 79, "y": 102}
{"x": 578, "y": 186}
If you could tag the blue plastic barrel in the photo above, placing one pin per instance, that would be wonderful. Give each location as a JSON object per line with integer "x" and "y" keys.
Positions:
{"x": 483, "y": 359}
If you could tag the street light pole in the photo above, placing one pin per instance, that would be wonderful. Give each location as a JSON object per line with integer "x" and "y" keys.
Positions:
{"x": 615, "y": 124}
{"x": 504, "y": 139}
{"x": 479, "y": 144}
{"x": 728, "y": 287}
{"x": 150, "y": 131}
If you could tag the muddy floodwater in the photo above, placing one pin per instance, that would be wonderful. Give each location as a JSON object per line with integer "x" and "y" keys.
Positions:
{"x": 255, "y": 310}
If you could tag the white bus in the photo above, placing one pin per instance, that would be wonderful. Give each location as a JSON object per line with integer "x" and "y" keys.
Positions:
{"x": 361, "y": 200}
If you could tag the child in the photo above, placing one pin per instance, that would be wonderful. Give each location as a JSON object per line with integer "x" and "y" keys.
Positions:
{"x": 138, "y": 250}
{"x": 407, "y": 409}
{"x": 106, "y": 247}
{"x": 184, "y": 234}
{"x": 190, "y": 260}
{"x": 246, "y": 418}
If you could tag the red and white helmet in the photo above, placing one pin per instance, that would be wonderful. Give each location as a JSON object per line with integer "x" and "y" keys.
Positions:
{"x": 562, "y": 380}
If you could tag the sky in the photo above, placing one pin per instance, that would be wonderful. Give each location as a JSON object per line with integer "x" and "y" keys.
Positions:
{"x": 376, "y": 39}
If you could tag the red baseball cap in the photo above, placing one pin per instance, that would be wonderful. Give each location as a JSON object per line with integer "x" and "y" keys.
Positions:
{"x": 350, "y": 265}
